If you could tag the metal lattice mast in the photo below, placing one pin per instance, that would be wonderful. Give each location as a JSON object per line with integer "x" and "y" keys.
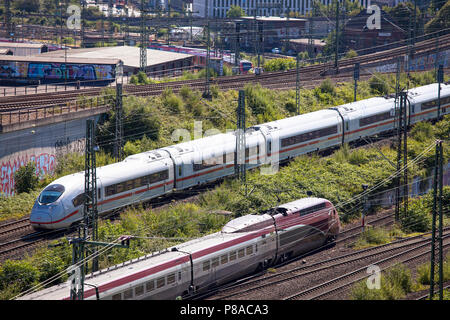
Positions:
{"x": 437, "y": 205}
{"x": 118, "y": 150}
{"x": 237, "y": 44}
{"x": 239, "y": 161}
{"x": 207, "y": 93}
{"x": 83, "y": 10}
{"x": 127, "y": 29}
{"x": 144, "y": 38}
{"x": 402, "y": 160}
{"x": 310, "y": 38}
{"x": 90, "y": 186}
{"x": 336, "y": 54}
{"x": 110, "y": 21}
{"x": 297, "y": 86}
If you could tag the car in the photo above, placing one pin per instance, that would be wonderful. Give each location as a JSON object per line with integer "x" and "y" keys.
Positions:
{"x": 276, "y": 50}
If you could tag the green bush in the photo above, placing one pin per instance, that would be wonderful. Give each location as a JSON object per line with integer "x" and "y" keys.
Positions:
{"x": 373, "y": 236}
{"x": 25, "y": 179}
{"x": 379, "y": 85}
{"x": 21, "y": 273}
{"x": 327, "y": 86}
{"x": 291, "y": 106}
{"x": 423, "y": 272}
{"x": 279, "y": 64}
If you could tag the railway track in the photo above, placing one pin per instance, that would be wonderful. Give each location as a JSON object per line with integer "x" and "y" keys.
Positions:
{"x": 352, "y": 230}
{"x": 277, "y": 281}
{"x": 308, "y": 73}
{"x": 14, "y": 226}
{"x": 343, "y": 282}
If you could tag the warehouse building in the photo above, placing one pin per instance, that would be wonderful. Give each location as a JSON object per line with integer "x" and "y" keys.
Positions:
{"x": 157, "y": 61}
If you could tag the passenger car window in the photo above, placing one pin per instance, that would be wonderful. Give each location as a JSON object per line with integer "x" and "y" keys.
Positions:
{"x": 160, "y": 282}
{"x": 78, "y": 200}
{"x": 224, "y": 259}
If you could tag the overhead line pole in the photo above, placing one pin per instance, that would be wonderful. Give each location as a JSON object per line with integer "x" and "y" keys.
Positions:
{"x": 437, "y": 205}
{"x": 118, "y": 150}
{"x": 144, "y": 38}
{"x": 240, "y": 158}
{"x": 337, "y": 38}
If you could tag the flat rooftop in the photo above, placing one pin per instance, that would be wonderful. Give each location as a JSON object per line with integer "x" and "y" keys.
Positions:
{"x": 21, "y": 45}
{"x": 130, "y": 56}
{"x": 305, "y": 41}
{"x": 56, "y": 59}
{"x": 273, "y": 19}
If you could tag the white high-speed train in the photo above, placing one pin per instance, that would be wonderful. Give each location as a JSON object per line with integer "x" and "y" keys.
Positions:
{"x": 150, "y": 174}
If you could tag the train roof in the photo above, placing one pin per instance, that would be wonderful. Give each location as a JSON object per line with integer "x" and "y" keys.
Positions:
{"x": 303, "y": 203}
{"x": 419, "y": 94}
{"x": 303, "y": 119}
{"x": 129, "y": 273}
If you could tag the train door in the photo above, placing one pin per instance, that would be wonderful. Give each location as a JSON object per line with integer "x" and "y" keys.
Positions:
{"x": 273, "y": 154}
{"x": 100, "y": 195}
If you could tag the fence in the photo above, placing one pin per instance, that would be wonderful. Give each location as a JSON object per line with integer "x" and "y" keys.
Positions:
{"x": 29, "y": 114}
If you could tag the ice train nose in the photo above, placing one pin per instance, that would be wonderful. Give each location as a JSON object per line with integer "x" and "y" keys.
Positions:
{"x": 40, "y": 218}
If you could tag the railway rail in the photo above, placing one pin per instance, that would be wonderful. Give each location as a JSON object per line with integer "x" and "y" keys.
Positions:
{"x": 343, "y": 282}
{"x": 389, "y": 252}
{"x": 14, "y": 226}
{"x": 308, "y": 73}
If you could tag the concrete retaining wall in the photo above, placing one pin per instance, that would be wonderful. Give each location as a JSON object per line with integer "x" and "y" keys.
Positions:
{"x": 41, "y": 144}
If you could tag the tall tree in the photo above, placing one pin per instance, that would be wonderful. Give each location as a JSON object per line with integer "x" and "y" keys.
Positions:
{"x": 235, "y": 12}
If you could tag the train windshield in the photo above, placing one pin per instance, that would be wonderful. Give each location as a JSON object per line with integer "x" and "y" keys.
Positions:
{"x": 51, "y": 194}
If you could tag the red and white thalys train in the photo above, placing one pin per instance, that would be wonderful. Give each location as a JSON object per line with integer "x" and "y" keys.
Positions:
{"x": 245, "y": 244}
{"x": 148, "y": 175}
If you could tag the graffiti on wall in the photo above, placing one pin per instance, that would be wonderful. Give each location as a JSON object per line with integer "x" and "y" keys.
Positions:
{"x": 63, "y": 146}
{"x": 45, "y": 164}
{"x": 56, "y": 71}
{"x": 421, "y": 63}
